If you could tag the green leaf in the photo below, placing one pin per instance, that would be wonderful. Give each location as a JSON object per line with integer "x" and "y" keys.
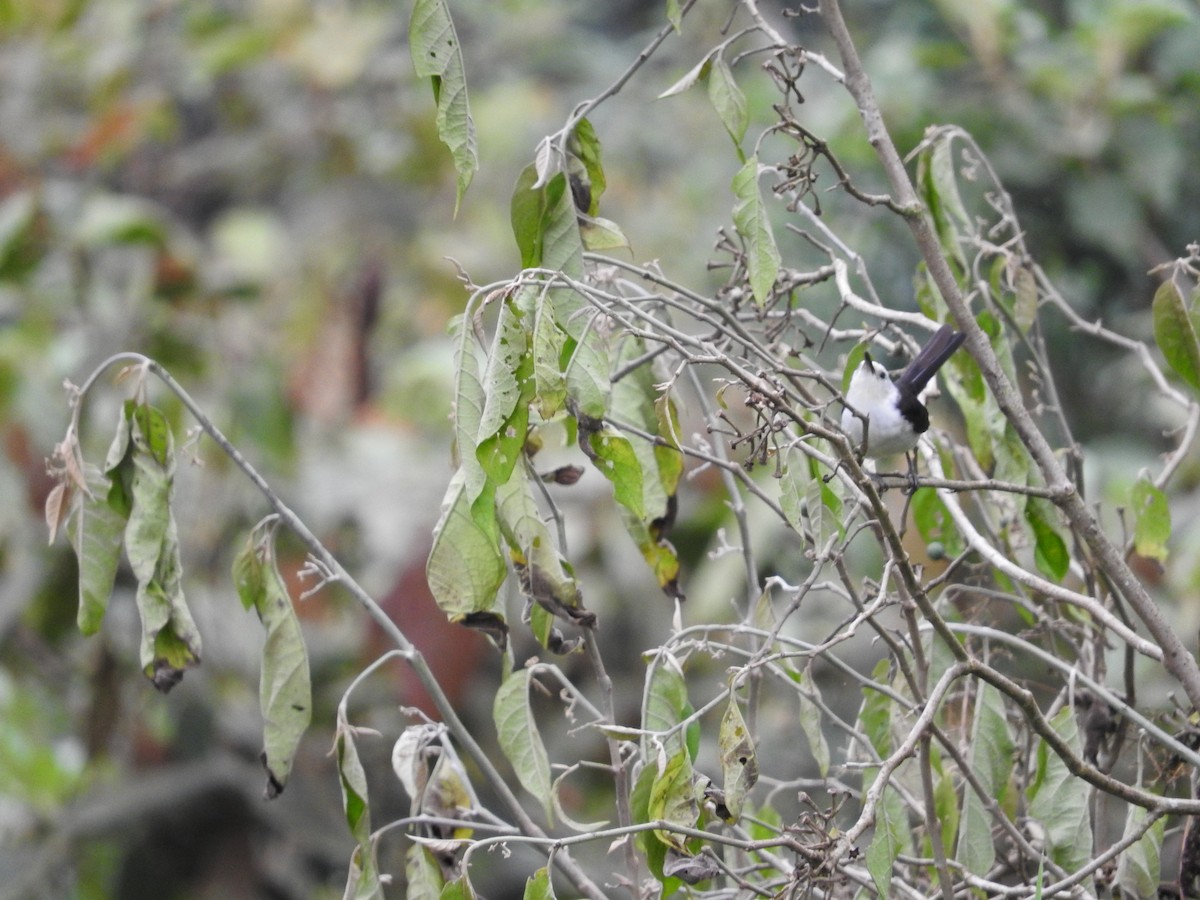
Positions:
{"x": 508, "y": 387}
{"x": 875, "y": 714}
{"x": 364, "y": 879}
{"x": 1059, "y": 800}
{"x": 549, "y": 342}
{"x": 585, "y": 146}
{"x": 1050, "y": 550}
{"x": 436, "y": 55}
{"x": 793, "y": 488}
{"x": 891, "y": 838}
{"x": 469, "y": 399}
{"x": 542, "y": 572}
{"x": 520, "y": 739}
{"x": 599, "y": 233}
{"x": 945, "y": 804}
{"x": 739, "y": 764}
{"x": 674, "y": 14}
{"x": 1152, "y": 520}
{"x": 97, "y": 531}
{"x": 810, "y": 718}
{"x": 728, "y": 100}
{"x": 285, "y": 688}
{"x": 750, "y": 219}
{"x": 612, "y": 453}
{"x": 1175, "y": 333}
{"x": 824, "y": 505}
{"x": 991, "y": 755}
{"x": 170, "y": 641}
{"x": 422, "y": 874}
{"x": 526, "y": 210}
{"x": 934, "y": 522}
{"x": 1025, "y": 303}
{"x": 465, "y": 568}
{"x": 458, "y": 889}
{"x": 698, "y": 72}
{"x": 937, "y": 183}
{"x": 538, "y": 887}
{"x": 664, "y": 706}
{"x": 1139, "y": 868}
{"x": 673, "y": 799}
{"x": 562, "y": 248}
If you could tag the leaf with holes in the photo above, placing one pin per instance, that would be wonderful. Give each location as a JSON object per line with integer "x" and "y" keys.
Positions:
{"x": 739, "y": 764}
{"x": 436, "y": 55}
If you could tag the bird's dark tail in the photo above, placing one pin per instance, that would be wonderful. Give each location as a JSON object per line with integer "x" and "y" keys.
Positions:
{"x": 926, "y": 363}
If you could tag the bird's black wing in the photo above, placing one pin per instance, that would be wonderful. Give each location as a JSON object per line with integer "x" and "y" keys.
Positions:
{"x": 926, "y": 363}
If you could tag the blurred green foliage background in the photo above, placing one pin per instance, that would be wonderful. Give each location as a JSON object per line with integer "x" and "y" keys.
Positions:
{"x": 254, "y": 194}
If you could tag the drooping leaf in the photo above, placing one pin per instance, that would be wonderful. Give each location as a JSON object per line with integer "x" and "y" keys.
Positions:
{"x": 436, "y": 55}
{"x": 728, "y": 100}
{"x": 97, "y": 530}
{"x": 508, "y": 387}
{"x": 170, "y": 641}
{"x": 285, "y": 687}
{"x": 598, "y": 233}
{"x": 824, "y": 505}
{"x": 1175, "y": 333}
{"x": 793, "y": 488}
{"x": 991, "y": 758}
{"x": 665, "y": 705}
{"x": 673, "y": 798}
{"x": 1139, "y": 869}
{"x": 469, "y": 399}
{"x": 938, "y": 185}
{"x": 611, "y": 453}
{"x": 364, "y": 881}
{"x": 465, "y": 568}
{"x": 1151, "y": 520}
{"x": 1050, "y": 550}
{"x": 585, "y": 146}
{"x": 422, "y": 874}
{"x": 934, "y": 522}
{"x": 892, "y": 837}
{"x": 540, "y": 569}
{"x": 520, "y": 739}
{"x": 1059, "y": 801}
{"x": 810, "y": 719}
{"x": 739, "y": 764}
{"x": 753, "y": 224}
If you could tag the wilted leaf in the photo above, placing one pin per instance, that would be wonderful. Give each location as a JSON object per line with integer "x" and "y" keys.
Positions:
{"x": 285, "y": 689}
{"x": 170, "y": 640}
{"x": 689, "y": 869}
{"x": 739, "y": 765}
{"x": 673, "y": 799}
{"x": 96, "y": 530}
{"x": 698, "y": 72}
{"x": 508, "y": 387}
{"x": 585, "y": 145}
{"x": 364, "y": 882}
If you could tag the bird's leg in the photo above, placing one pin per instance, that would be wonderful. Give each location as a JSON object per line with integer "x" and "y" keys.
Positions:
{"x": 911, "y": 457}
